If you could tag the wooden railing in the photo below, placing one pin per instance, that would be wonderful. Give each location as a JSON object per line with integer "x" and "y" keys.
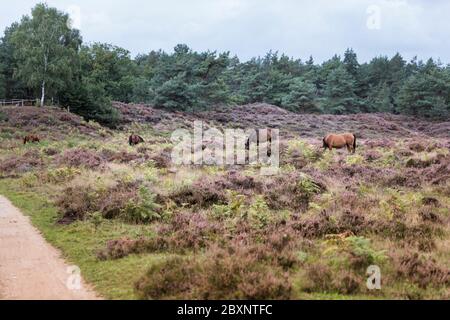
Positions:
{"x": 17, "y": 102}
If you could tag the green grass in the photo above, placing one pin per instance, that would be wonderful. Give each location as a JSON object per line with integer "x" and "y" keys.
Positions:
{"x": 80, "y": 241}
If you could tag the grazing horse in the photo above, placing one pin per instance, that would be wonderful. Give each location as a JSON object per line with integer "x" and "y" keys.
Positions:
{"x": 135, "y": 140}
{"x": 257, "y": 137}
{"x": 338, "y": 141}
{"x": 31, "y": 139}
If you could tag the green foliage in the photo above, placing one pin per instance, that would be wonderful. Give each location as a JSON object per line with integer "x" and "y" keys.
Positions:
{"x": 234, "y": 208}
{"x": 354, "y": 159}
{"x": 301, "y": 97}
{"x": 357, "y": 246}
{"x": 340, "y": 97}
{"x": 111, "y": 68}
{"x": 46, "y": 50}
{"x": 362, "y": 247}
{"x": 63, "y": 174}
{"x": 427, "y": 93}
{"x": 259, "y": 213}
{"x": 145, "y": 209}
{"x": 305, "y": 149}
{"x": 3, "y": 116}
{"x": 42, "y": 54}
{"x": 379, "y": 100}
{"x": 307, "y": 186}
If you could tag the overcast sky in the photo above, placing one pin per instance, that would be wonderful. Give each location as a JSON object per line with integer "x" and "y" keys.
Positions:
{"x": 250, "y": 28}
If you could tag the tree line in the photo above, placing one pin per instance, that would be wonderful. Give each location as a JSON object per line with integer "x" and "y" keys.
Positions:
{"x": 42, "y": 56}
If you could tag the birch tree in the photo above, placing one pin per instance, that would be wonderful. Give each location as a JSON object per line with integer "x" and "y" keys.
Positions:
{"x": 46, "y": 49}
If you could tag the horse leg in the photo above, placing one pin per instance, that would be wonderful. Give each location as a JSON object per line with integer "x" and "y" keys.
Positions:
{"x": 349, "y": 148}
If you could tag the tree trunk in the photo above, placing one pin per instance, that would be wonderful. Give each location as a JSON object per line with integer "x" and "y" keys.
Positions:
{"x": 43, "y": 80}
{"x": 43, "y": 93}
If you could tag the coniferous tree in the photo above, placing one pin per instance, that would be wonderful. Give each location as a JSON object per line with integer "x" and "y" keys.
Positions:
{"x": 301, "y": 97}
{"x": 426, "y": 94}
{"x": 339, "y": 93}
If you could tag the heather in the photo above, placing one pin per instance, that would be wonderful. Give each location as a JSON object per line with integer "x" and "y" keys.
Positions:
{"x": 141, "y": 227}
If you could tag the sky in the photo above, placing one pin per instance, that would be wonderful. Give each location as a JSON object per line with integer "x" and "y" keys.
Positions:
{"x": 249, "y": 28}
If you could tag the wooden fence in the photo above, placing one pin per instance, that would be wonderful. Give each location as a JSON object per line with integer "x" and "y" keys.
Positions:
{"x": 17, "y": 102}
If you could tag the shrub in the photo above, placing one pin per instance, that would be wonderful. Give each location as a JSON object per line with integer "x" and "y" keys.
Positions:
{"x": 299, "y": 153}
{"x": 201, "y": 194}
{"x": 80, "y": 158}
{"x": 224, "y": 273}
{"x": 75, "y": 202}
{"x": 50, "y": 151}
{"x": 314, "y": 226}
{"x": 291, "y": 191}
{"x": 116, "y": 249}
{"x": 430, "y": 201}
{"x": 29, "y": 179}
{"x": 121, "y": 156}
{"x": 354, "y": 159}
{"x": 258, "y": 213}
{"x": 319, "y": 278}
{"x": 119, "y": 248}
{"x": 60, "y": 175}
{"x": 234, "y": 208}
{"x": 372, "y": 155}
{"x": 418, "y": 163}
{"x": 163, "y": 159}
{"x": 239, "y": 182}
{"x": 362, "y": 249}
{"x": 112, "y": 201}
{"x": 3, "y": 117}
{"x": 20, "y": 164}
{"x": 322, "y": 278}
{"x": 417, "y": 146}
{"x": 422, "y": 271}
{"x": 190, "y": 231}
{"x": 171, "y": 279}
{"x": 142, "y": 209}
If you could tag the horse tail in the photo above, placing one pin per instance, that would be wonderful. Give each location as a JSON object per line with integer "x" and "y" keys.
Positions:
{"x": 25, "y": 140}
{"x": 354, "y": 142}
{"x": 325, "y": 144}
{"x": 130, "y": 140}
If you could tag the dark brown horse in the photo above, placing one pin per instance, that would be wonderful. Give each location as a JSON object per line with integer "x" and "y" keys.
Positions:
{"x": 135, "y": 140}
{"x": 338, "y": 141}
{"x": 31, "y": 139}
{"x": 257, "y": 137}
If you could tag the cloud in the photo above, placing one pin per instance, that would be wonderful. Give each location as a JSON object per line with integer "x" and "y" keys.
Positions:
{"x": 250, "y": 28}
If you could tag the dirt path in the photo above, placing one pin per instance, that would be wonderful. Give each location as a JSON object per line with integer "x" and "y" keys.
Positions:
{"x": 30, "y": 268}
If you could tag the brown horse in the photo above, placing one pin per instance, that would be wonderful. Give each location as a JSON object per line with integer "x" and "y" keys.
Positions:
{"x": 135, "y": 140}
{"x": 31, "y": 139}
{"x": 258, "y": 137}
{"x": 338, "y": 141}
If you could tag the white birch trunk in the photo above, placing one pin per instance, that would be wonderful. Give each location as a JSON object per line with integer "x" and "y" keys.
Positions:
{"x": 43, "y": 93}
{"x": 43, "y": 81}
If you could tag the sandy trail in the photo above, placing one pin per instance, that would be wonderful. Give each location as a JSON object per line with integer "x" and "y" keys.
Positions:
{"x": 30, "y": 268}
